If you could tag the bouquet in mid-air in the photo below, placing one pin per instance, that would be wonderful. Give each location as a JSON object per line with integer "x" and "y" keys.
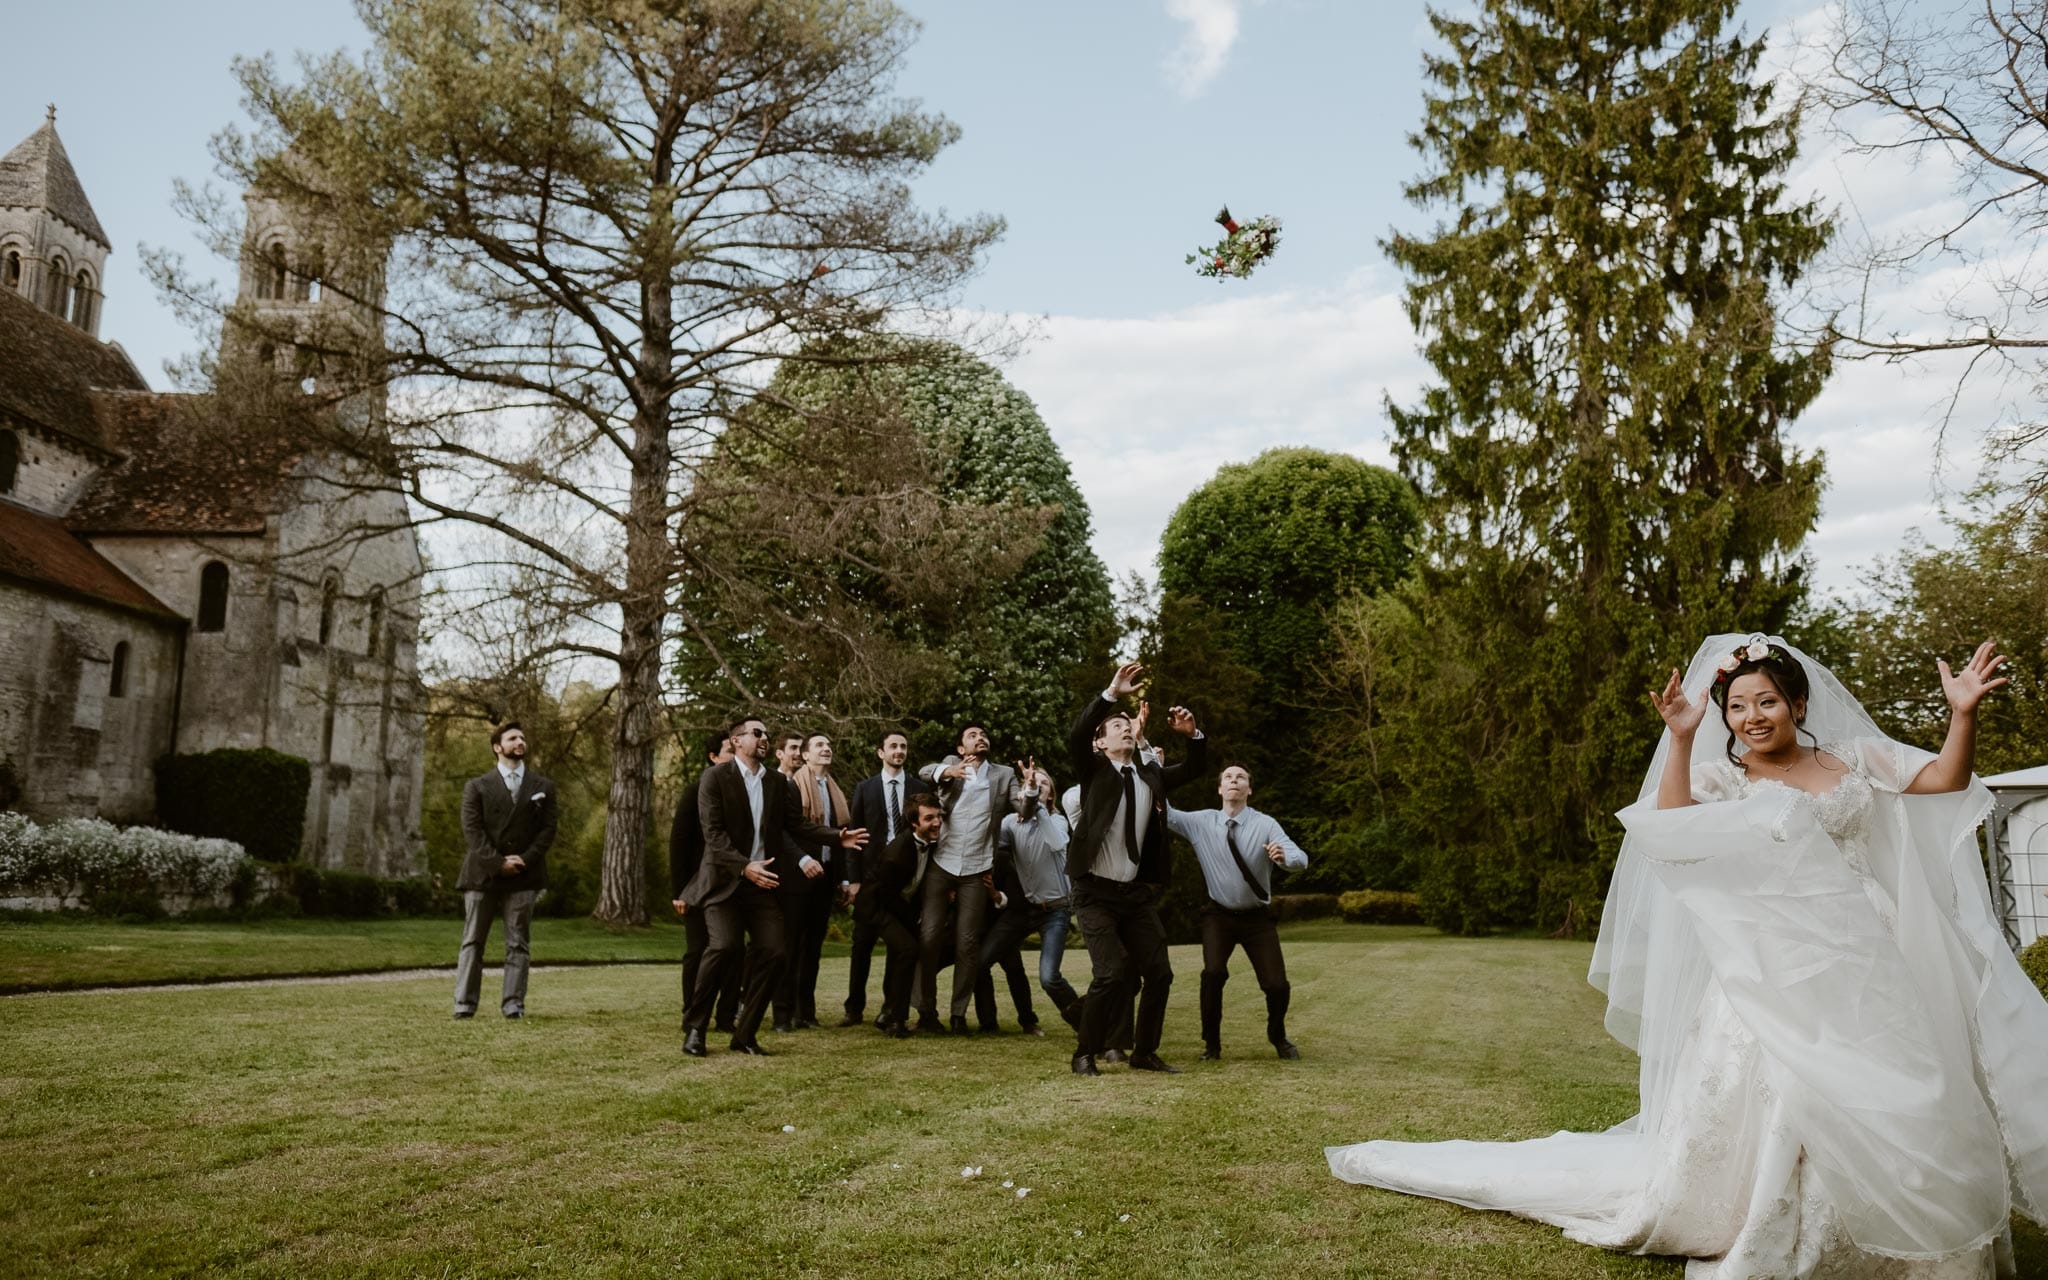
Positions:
{"x": 1244, "y": 246}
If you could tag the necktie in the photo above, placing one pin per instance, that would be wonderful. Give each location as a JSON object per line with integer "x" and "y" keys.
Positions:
{"x": 895, "y": 808}
{"x": 917, "y": 873}
{"x": 1131, "y": 812}
{"x": 1243, "y": 868}
{"x": 512, "y": 782}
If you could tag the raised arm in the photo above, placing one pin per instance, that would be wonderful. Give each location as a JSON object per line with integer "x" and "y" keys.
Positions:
{"x": 1964, "y": 689}
{"x": 1682, "y": 718}
{"x": 1196, "y": 762}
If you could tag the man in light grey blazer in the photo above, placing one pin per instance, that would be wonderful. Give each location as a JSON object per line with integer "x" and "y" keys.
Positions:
{"x": 508, "y": 823}
{"x": 976, "y": 793}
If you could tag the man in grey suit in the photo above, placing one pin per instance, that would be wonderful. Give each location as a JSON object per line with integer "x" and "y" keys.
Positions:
{"x": 976, "y": 793}
{"x": 508, "y": 822}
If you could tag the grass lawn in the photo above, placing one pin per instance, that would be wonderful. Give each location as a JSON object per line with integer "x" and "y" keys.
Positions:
{"x": 353, "y": 1129}
{"x": 61, "y": 952}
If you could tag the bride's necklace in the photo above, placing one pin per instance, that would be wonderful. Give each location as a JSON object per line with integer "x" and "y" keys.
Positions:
{"x": 1782, "y": 768}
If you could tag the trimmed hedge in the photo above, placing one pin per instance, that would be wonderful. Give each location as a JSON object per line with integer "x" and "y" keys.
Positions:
{"x": 2034, "y": 960}
{"x": 257, "y": 798}
{"x": 1380, "y": 906}
{"x": 1304, "y": 906}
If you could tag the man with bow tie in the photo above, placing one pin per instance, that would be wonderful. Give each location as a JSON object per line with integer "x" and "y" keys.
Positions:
{"x": 508, "y": 823}
{"x": 894, "y": 896}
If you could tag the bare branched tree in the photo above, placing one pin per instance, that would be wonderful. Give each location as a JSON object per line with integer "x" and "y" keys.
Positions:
{"x": 1960, "y": 91}
{"x": 606, "y": 222}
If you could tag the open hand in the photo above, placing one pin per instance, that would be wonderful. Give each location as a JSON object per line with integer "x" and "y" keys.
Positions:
{"x": 1681, "y": 716}
{"x": 854, "y": 838}
{"x": 1966, "y": 688}
{"x": 759, "y": 873}
{"x": 1181, "y": 721}
{"x": 1126, "y": 679}
{"x": 1138, "y": 721}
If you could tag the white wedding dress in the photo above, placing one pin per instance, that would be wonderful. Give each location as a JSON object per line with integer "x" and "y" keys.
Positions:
{"x": 1844, "y": 1073}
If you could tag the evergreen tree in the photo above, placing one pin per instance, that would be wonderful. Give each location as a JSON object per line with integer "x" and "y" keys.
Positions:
{"x": 1601, "y": 459}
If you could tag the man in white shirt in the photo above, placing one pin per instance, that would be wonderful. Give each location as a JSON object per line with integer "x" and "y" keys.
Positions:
{"x": 976, "y": 792}
{"x": 880, "y": 805}
{"x": 1238, "y": 847}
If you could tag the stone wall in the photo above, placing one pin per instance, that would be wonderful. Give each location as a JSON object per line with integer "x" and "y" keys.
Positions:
{"x": 77, "y": 750}
{"x": 51, "y": 474}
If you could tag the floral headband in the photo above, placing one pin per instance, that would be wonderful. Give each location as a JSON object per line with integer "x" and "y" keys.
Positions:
{"x": 1758, "y": 648}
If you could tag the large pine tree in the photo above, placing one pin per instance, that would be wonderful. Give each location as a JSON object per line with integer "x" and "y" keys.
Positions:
{"x": 1601, "y": 457}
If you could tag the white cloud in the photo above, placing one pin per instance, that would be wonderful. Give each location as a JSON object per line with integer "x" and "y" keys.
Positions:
{"x": 1205, "y": 46}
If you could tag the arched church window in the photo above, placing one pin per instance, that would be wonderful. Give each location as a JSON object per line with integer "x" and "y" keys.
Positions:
{"x": 272, "y": 282}
{"x": 117, "y": 675}
{"x": 330, "y": 597}
{"x": 81, "y": 299}
{"x": 57, "y": 291}
{"x": 10, "y": 460}
{"x": 213, "y": 597}
{"x": 374, "y": 647}
{"x": 10, "y": 270}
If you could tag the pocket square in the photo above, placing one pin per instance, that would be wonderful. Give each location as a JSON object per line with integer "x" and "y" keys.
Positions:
{"x": 539, "y": 796}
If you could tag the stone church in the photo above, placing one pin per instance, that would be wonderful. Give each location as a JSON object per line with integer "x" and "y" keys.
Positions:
{"x": 169, "y": 583}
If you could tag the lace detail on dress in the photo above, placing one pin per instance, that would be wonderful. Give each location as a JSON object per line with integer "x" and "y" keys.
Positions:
{"x": 1844, "y": 813}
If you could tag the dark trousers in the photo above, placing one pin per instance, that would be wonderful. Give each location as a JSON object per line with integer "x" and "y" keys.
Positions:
{"x": 1126, "y": 948}
{"x": 696, "y": 938}
{"x": 961, "y": 942}
{"x": 867, "y": 931}
{"x": 899, "y": 972}
{"x": 754, "y": 912}
{"x": 1223, "y": 931}
{"x": 806, "y": 914}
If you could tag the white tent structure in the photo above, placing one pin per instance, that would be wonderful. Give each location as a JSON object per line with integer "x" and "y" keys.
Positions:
{"x": 2016, "y": 841}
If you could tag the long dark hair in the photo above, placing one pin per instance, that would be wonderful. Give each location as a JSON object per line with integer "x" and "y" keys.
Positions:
{"x": 1786, "y": 676}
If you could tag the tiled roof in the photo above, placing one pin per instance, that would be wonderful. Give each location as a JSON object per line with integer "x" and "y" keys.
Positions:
{"x": 51, "y": 369}
{"x": 182, "y": 473}
{"x": 37, "y": 548}
{"x": 38, "y": 175}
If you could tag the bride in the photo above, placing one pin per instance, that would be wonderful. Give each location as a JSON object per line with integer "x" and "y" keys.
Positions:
{"x": 1843, "y": 1071}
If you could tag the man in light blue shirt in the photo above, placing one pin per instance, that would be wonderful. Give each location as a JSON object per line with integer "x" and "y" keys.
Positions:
{"x": 1238, "y": 848}
{"x": 1033, "y": 895}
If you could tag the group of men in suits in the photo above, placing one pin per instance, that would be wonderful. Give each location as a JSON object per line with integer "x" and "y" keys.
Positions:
{"x": 954, "y": 865}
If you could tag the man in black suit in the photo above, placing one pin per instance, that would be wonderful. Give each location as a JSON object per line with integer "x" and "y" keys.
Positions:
{"x": 1119, "y": 862}
{"x": 894, "y": 894}
{"x": 753, "y": 820}
{"x": 879, "y": 805}
{"x": 508, "y": 823}
{"x": 685, "y": 855}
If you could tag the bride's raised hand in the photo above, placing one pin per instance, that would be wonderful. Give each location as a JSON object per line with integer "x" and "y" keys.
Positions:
{"x": 1966, "y": 688}
{"x": 1681, "y": 715}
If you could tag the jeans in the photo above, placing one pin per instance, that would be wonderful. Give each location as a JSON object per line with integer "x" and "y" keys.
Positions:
{"x": 1015, "y": 923}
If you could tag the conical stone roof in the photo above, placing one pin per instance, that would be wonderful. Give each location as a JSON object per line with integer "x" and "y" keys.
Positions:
{"x": 38, "y": 175}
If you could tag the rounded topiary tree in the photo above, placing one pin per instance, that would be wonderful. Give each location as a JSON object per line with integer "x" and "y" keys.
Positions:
{"x": 1249, "y": 567}
{"x": 1026, "y": 609}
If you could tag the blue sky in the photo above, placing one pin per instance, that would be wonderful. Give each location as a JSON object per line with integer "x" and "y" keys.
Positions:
{"x": 1107, "y": 134}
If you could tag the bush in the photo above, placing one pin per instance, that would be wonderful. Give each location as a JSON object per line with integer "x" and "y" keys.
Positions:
{"x": 1303, "y": 906}
{"x": 1380, "y": 906}
{"x": 129, "y": 869}
{"x": 255, "y": 798}
{"x": 2034, "y": 960}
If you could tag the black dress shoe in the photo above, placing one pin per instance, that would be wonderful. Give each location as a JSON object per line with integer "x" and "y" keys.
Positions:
{"x": 1212, "y": 1053}
{"x": 1114, "y": 1056}
{"x": 805, "y": 1024}
{"x": 515, "y": 1015}
{"x": 1286, "y": 1050}
{"x": 991, "y": 1029}
{"x": 960, "y": 1026}
{"x": 751, "y": 1047}
{"x": 854, "y": 1020}
{"x": 783, "y": 1028}
{"x": 881, "y": 1023}
{"x": 1153, "y": 1062}
{"x": 897, "y": 1031}
{"x": 693, "y": 1042}
{"x": 930, "y": 1026}
{"x": 1084, "y": 1065}
{"x": 1032, "y": 1029}
{"x": 460, "y": 1014}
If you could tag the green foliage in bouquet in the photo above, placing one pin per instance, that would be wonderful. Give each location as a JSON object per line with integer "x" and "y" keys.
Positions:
{"x": 1243, "y": 247}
